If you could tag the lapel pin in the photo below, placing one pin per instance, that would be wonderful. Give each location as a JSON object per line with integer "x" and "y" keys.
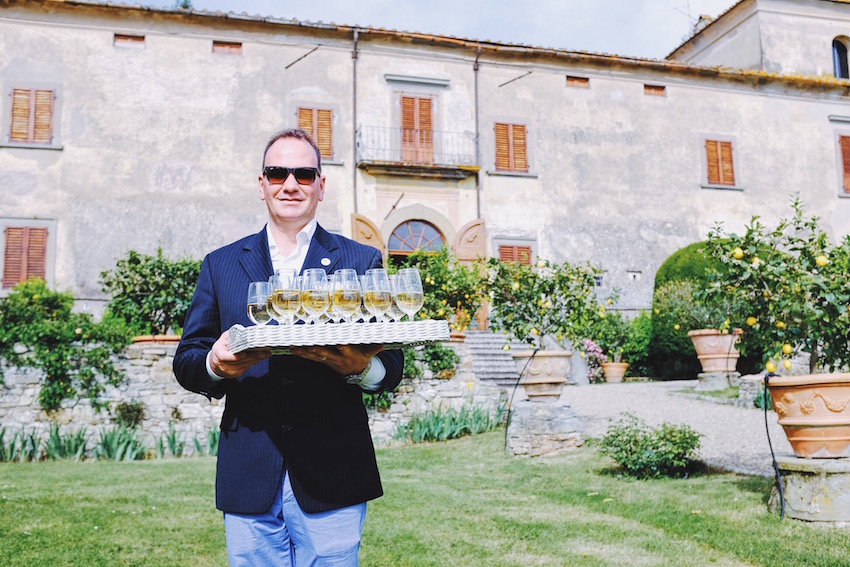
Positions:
{"x": 326, "y": 262}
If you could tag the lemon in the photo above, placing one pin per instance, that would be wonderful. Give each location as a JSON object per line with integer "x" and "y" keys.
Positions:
{"x": 770, "y": 366}
{"x": 610, "y": 302}
{"x": 786, "y": 348}
{"x": 737, "y": 253}
{"x": 534, "y": 331}
{"x": 541, "y": 264}
{"x": 751, "y": 321}
{"x": 506, "y": 347}
{"x": 821, "y": 260}
{"x": 676, "y": 326}
{"x": 787, "y": 364}
{"x": 780, "y": 325}
{"x": 582, "y": 355}
{"x": 515, "y": 286}
{"x": 756, "y": 261}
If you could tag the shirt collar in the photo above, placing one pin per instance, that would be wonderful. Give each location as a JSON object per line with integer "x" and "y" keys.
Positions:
{"x": 304, "y": 236}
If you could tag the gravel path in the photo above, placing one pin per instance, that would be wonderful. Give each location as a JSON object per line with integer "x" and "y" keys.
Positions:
{"x": 734, "y": 438}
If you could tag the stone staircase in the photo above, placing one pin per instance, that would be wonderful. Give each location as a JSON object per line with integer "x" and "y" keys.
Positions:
{"x": 489, "y": 362}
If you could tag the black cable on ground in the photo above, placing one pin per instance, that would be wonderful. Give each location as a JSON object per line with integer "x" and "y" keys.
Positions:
{"x": 511, "y": 400}
{"x": 767, "y": 376}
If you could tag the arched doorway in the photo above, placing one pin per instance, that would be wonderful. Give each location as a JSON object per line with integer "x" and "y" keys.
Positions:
{"x": 414, "y": 235}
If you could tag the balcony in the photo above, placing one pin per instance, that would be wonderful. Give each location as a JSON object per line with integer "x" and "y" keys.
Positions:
{"x": 416, "y": 153}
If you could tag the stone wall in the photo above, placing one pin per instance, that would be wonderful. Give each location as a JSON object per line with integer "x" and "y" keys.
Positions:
{"x": 151, "y": 381}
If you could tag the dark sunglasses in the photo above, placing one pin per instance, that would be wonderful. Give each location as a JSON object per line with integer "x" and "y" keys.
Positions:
{"x": 277, "y": 174}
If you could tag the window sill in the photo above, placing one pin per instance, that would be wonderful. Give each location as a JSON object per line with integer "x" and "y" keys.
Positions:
{"x": 332, "y": 162}
{"x": 31, "y": 146}
{"x": 498, "y": 172}
{"x": 722, "y": 187}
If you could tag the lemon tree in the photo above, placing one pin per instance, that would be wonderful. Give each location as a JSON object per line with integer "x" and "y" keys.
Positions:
{"x": 789, "y": 286}
{"x": 531, "y": 302}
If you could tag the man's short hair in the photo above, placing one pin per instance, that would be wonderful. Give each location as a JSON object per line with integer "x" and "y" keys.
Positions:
{"x": 296, "y": 134}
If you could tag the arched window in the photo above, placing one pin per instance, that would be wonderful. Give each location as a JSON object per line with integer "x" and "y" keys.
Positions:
{"x": 415, "y": 235}
{"x": 839, "y": 59}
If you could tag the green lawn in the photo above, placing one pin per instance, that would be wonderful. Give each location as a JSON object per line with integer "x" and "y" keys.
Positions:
{"x": 462, "y": 502}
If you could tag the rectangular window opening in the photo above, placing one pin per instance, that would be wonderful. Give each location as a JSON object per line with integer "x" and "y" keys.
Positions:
{"x": 318, "y": 122}
{"x": 515, "y": 253}
{"x": 511, "y": 152}
{"x": 227, "y": 47}
{"x": 32, "y": 116}
{"x": 845, "y": 162}
{"x": 578, "y": 82}
{"x": 718, "y": 159}
{"x": 655, "y": 90}
{"x": 24, "y": 254}
{"x": 124, "y": 40}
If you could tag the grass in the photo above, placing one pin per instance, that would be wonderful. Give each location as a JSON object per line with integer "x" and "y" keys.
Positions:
{"x": 462, "y": 502}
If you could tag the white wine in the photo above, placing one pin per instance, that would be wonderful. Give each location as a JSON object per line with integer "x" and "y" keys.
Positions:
{"x": 378, "y": 301}
{"x": 347, "y": 301}
{"x": 258, "y": 313}
{"x": 285, "y": 302}
{"x": 315, "y": 302}
{"x": 409, "y": 301}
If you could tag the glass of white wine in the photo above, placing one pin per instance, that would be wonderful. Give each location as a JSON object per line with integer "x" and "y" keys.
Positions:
{"x": 377, "y": 296}
{"x": 346, "y": 293}
{"x": 315, "y": 293}
{"x": 394, "y": 313}
{"x": 408, "y": 292}
{"x": 258, "y": 303}
{"x": 285, "y": 299}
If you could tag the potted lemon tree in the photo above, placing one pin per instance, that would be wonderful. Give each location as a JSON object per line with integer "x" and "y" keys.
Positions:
{"x": 790, "y": 286}
{"x": 544, "y": 305}
{"x": 611, "y": 333}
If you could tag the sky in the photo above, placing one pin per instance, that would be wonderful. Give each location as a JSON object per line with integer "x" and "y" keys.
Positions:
{"x": 638, "y": 28}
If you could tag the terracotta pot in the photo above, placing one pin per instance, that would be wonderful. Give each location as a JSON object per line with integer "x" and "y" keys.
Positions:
{"x": 614, "y": 371}
{"x": 716, "y": 351}
{"x": 545, "y": 376}
{"x": 814, "y": 411}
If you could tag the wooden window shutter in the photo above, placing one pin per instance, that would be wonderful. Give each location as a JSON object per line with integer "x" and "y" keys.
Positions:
{"x": 845, "y": 161}
{"x": 718, "y": 159}
{"x": 521, "y": 254}
{"x": 319, "y": 124}
{"x": 511, "y": 148}
{"x": 32, "y": 116}
{"x": 25, "y": 254}
{"x": 417, "y": 136}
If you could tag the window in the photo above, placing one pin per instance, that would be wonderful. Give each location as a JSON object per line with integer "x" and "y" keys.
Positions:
{"x": 32, "y": 116}
{"x": 515, "y": 253}
{"x": 227, "y": 47}
{"x": 839, "y": 59}
{"x": 718, "y": 160}
{"x": 654, "y": 90}
{"x": 123, "y": 40}
{"x": 24, "y": 254}
{"x": 579, "y": 82}
{"x": 414, "y": 235}
{"x": 417, "y": 136}
{"x": 510, "y": 148}
{"x": 845, "y": 162}
{"x": 319, "y": 124}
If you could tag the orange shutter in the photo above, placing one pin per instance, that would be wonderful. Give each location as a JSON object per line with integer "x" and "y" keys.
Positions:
{"x": 319, "y": 124}
{"x": 32, "y": 116}
{"x": 845, "y": 161}
{"x": 305, "y": 120}
{"x": 25, "y": 254}
{"x": 417, "y": 136}
{"x": 503, "y": 147}
{"x": 718, "y": 159}
{"x": 520, "y": 163}
{"x": 426, "y": 134}
{"x": 511, "y": 148}
{"x": 521, "y": 254}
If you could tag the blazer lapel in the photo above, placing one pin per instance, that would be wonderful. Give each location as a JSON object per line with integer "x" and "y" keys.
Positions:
{"x": 255, "y": 258}
{"x": 323, "y": 252}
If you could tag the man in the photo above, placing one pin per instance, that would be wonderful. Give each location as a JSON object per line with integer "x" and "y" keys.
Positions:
{"x": 296, "y": 463}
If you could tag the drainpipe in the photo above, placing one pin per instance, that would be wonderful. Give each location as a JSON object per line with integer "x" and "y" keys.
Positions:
{"x": 354, "y": 120}
{"x": 477, "y": 140}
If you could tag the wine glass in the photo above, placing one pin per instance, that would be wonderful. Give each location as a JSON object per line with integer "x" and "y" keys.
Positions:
{"x": 377, "y": 296}
{"x": 394, "y": 313}
{"x": 285, "y": 297}
{"x": 315, "y": 295}
{"x": 346, "y": 292}
{"x": 409, "y": 295}
{"x": 258, "y": 303}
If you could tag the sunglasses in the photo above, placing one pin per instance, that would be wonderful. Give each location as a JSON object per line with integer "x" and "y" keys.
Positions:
{"x": 277, "y": 174}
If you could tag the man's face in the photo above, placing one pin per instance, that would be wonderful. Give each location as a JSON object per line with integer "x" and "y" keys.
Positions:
{"x": 291, "y": 204}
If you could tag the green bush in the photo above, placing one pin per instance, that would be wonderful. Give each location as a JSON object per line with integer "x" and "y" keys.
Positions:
{"x": 120, "y": 443}
{"x": 689, "y": 263}
{"x": 412, "y": 368}
{"x": 71, "y": 446}
{"x": 441, "y": 424}
{"x": 441, "y": 360}
{"x": 129, "y": 414}
{"x": 74, "y": 354}
{"x": 151, "y": 293}
{"x": 636, "y": 349}
{"x": 610, "y": 332}
{"x": 646, "y": 452}
{"x": 380, "y": 401}
{"x": 671, "y": 349}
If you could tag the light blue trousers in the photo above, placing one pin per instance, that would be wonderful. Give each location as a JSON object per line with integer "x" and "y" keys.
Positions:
{"x": 286, "y": 536}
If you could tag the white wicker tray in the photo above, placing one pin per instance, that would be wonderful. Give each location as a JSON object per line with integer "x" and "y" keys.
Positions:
{"x": 392, "y": 335}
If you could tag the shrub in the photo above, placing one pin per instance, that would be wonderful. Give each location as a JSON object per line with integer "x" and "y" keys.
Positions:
{"x": 441, "y": 424}
{"x": 610, "y": 331}
{"x": 688, "y": 263}
{"x": 636, "y": 349}
{"x": 120, "y": 443}
{"x": 412, "y": 368}
{"x": 129, "y": 414}
{"x": 151, "y": 293}
{"x": 380, "y": 401}
{"x": 646, "y": 452}
{"x": 70, "y": 446}
{"x": 672, "y": 351}
{"x": 441, "y": 360}
{"x": 594, "y": 357}
{"x": 74, "y": 354}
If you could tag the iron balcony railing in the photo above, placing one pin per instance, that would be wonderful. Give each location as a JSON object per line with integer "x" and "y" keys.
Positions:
{"x": 415, "y": 146}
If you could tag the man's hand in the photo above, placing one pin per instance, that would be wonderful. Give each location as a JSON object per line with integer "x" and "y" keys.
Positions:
{"x": 345, "y": 359}
{"x": 228, "y": 365}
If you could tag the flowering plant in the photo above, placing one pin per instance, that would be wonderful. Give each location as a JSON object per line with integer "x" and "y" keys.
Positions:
{"x": 788, "y": 286}
{"x": 594, "y": 357}
{"x": 548, "y": 299}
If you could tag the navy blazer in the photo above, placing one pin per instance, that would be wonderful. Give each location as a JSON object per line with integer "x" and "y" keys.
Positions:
{"x": 284, "y": 412}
